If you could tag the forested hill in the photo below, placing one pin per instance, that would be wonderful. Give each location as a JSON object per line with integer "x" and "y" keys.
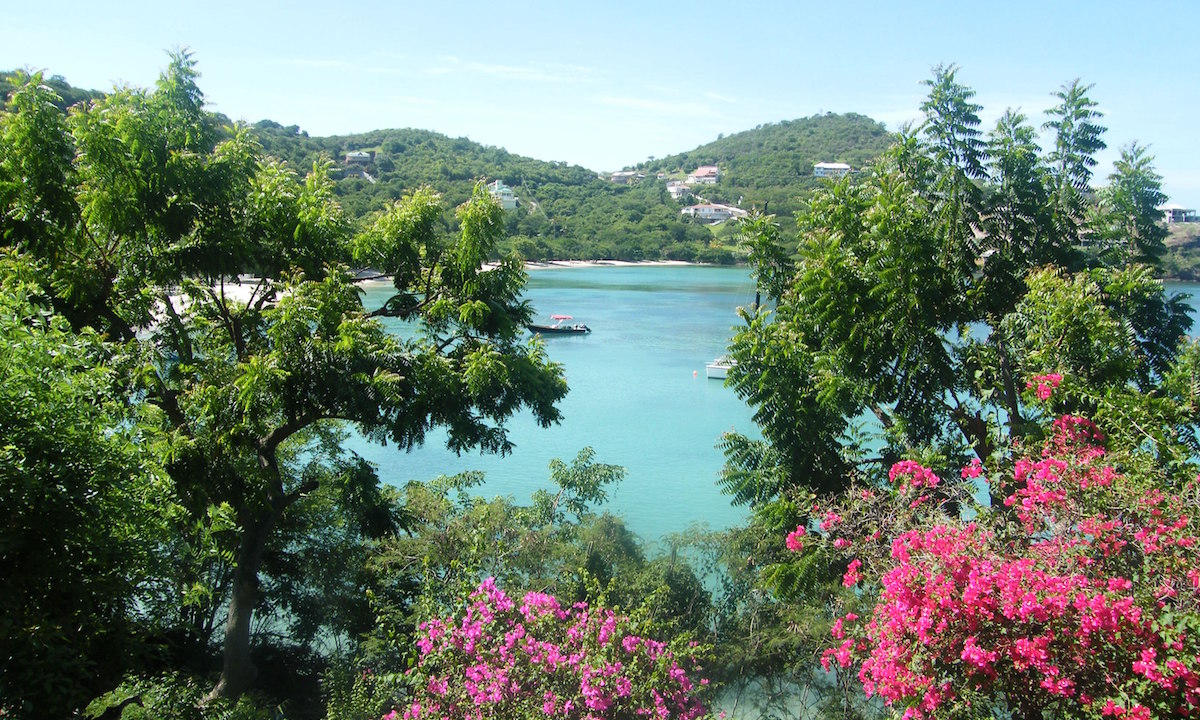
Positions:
{"x": 69, "y": 95}
{"x": 774, "y": 162}
{"x": 567, "y": 211}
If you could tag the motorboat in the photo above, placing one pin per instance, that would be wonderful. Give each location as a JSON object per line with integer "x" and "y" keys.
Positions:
{"x": 560, "y": 327}
{"x": 719, "y": 369}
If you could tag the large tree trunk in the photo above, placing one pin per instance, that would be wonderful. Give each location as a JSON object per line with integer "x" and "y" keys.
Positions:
{"x": 238, "y": 671}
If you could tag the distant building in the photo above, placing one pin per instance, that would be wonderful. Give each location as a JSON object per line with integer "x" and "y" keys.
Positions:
{"x": 713, "y": 213}
{"x": 359, "y": 157}
{"x": 504, "y": 194}
{"x": 831, "y": 170}
{"x": 627, "y": 177}
{"x": 358, "y": 172}
{"x": 677, "y": 190}
{"x": 1173, "y": 213}
{"x": 704, "y": 175}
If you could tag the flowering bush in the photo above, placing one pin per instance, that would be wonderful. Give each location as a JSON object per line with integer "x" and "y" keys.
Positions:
{"x": 502, "y": 659}
{"x": 1079, "y": 595}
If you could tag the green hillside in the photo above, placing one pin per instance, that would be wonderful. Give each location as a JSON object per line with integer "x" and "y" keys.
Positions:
{"x": 774, "y": 162}
{"x": 567, "y": 211}
{"x": 70, "y": 95}
{"x": 564, "y": 212}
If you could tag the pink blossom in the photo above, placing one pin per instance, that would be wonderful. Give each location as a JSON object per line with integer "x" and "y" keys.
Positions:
{"x": 1045, "y": 384}
{"x": 498, "y": 659}
{"x": 1085, "y": 603}
{"x": 794, "y": 542}
{"x": 852, "y": 576}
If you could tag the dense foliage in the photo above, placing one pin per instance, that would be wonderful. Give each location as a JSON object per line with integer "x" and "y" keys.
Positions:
{"x": 85, "y": 499}
{"x": 136, "y": 221}
{"x": 924, "y": 297}
{"x": 1077, "y": 596}
{"x": 185, "y": 349}
{"x": 771, "y": 166}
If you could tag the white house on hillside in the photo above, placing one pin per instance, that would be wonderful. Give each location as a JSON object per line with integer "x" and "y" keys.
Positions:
{"x": 627, "y": 177}
{"x": 712, "y": 213}
{"x": 504, "y": 194}
{"x": 704, "y": 175}
{"x": 1173, "y": 213}
{"x": 678, "y": 190}
{"x": 831, "y": 170}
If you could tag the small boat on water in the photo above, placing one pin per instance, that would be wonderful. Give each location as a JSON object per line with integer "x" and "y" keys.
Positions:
{"x": 719, "y": 369}
{"x": 558, "y": 328}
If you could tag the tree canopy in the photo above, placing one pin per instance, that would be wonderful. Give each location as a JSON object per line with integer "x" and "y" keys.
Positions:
{"x": 927, "y": 290}
{"x": 932, "y": 307}
{"x": 214, "y": 282}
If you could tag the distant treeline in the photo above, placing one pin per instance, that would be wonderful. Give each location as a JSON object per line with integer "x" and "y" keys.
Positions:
{"x": 569, "y": 212}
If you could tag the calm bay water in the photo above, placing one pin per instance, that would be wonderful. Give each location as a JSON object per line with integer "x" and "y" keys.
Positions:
{"x": 638, "y": 395}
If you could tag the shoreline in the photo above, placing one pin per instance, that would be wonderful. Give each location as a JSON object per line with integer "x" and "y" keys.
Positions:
{"x": 242, "y": 286}
{"x": 562, "y": 264}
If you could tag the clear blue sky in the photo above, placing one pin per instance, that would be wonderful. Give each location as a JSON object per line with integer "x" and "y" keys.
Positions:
{"x": 608, "y": 83}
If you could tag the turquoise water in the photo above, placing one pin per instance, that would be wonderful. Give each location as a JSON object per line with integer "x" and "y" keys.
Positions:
{"x": 638, "y": 395}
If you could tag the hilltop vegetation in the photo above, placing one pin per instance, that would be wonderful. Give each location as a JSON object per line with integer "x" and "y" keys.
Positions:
{"x": 66, "y": 94}
{"x": 1182, "y": 260}
{"x": 772, "y": 165}
{"x": 567, "y": 211}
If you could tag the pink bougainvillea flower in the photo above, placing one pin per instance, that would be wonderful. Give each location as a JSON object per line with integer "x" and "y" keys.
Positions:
{"x": 795, "y": 542}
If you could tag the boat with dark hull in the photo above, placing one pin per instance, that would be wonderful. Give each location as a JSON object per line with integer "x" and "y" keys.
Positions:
{"x": 559, "y": 328}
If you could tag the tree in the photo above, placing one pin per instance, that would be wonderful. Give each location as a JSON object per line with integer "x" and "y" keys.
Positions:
{"x": 1077, "y": 139}
{"x": 926, "y": 292}
{"x": 85, "y": 500}
{"x": 1017, "y": 217}
{"x": 247, "y": 374}
{"x": 893, "y": 272}
{"x": 1130, "y": 223}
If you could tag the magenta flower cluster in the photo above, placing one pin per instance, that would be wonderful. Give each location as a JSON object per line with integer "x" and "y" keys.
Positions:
{"x": 1045, "y": 384}
{"x": 1086, "y": 602}
{"x": 501, "y": 659}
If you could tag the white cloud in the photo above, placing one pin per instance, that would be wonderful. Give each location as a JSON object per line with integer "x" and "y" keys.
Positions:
{"x": 320, "y": 63}
{"x": 548, "y": 72}
{"x": 414, "y": 100}
{"x": 681, "y": 110}
{"x": 721, "y": 98}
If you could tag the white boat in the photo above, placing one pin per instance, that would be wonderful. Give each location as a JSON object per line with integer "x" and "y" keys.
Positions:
{"x": 718, "y": 369}
{"x": 558, "y": 328}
